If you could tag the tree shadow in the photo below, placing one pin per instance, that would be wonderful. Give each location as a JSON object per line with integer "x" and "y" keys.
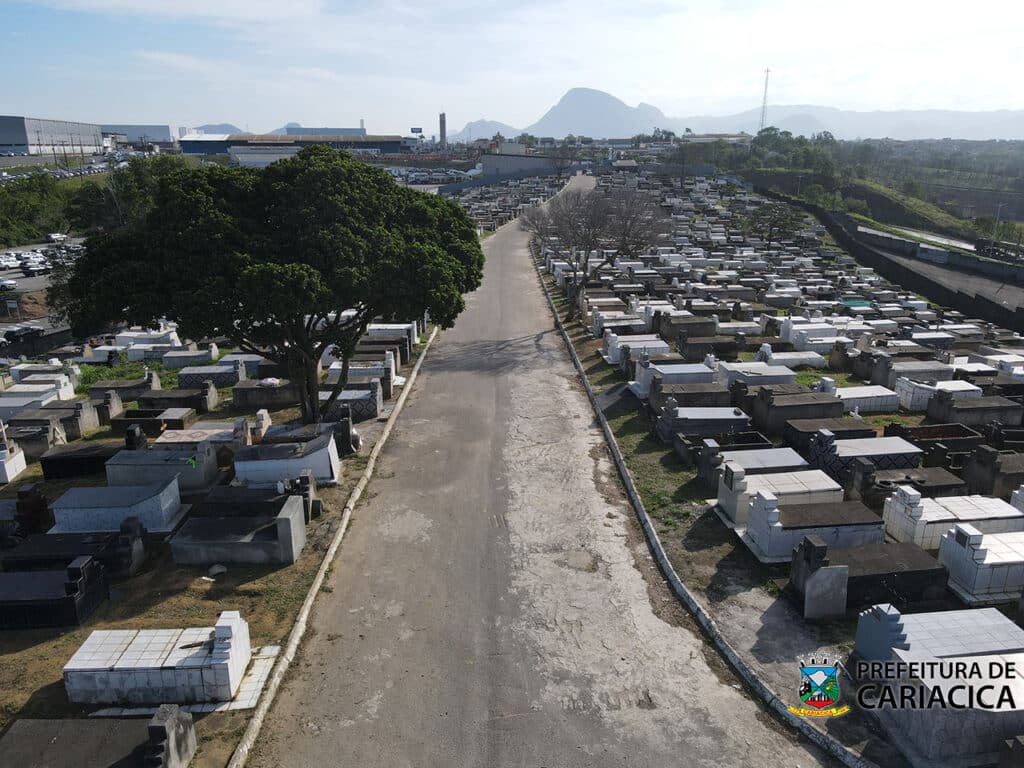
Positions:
{"x": 495, "y": 356}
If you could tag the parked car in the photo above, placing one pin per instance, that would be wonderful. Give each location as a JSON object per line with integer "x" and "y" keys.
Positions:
{"x": 32, "y": 269}
{"x": 8, "y": 285}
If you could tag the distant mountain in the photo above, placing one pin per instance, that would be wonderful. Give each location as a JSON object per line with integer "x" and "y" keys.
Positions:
{"x": 847, "y": 124}
{"x": 283, "y": 130}
{"x": 589, "y": 112}
{"x": 484, "y": 129}
{"x": 595, "y": 113}
{"x": 219, "y": 128}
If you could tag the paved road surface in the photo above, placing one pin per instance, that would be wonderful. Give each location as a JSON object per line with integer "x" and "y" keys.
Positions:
{"x": 486, "y": 609}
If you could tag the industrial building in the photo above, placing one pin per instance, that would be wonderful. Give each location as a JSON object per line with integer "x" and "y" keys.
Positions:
{"x": 237, "y": 144}
{"x": 60, "y": 138}
{"x": 142, "y": 134}
{"x": 299, "y": 130}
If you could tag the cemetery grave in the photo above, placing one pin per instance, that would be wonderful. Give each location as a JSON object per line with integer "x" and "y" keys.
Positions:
{"x": 85, "y": 489}
{"x": 891, "y": 361}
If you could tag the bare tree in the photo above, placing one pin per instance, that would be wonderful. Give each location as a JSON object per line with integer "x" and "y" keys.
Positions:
{"x": 537, "y": 221}
{"x": 635, "y": 222}
{"x": 578, "y": 218}
{"x": 773, "y": 220}
{"x": 565, "y": 156}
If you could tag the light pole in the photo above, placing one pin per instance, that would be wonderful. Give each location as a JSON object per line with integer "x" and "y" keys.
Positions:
{"x": 995, "y": 232}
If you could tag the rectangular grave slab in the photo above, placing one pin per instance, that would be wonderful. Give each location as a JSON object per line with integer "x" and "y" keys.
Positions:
{"x": 362, "y": 404}
{"x": 220, "y": 374}
{"x": 668, "y": 373}
{"x": 943, "y": 408}
{"x": 268, "y": 464}
{"x": 195, "y": 469}
{"x": 868, "y": 399}
{"x": 158, "y": 507}
{"x": 704, "y": 422}
{"x": 57, "y": 598}
{"x": 799, "y": 432}
{"x": 396, "y": 344}
{"x": 992, "y": 472}
{"x": 250, "y": 362}
{"x": 120, "y": 554}
{"x": 981, "y": 635}
{"x": 167, "y": 740}
{"x": 862, "y": 576}
{"x": 754, "y": 461}
{"x": 770, "y": 412}
{"x": 126, "y": 390}
{"x": 202, "y": 399}
{"x": 63, "y": 462}
{"x": 909, "y": 517}
{"x": 271, "y": 394}
{"x": 753, "y": 373}
{"x": 158, "y": 666}
{"x": 735, "y": 491}
{"x": 250, "y": 539}
{"x": 984, "y": 568}
{"x": 688, "y": 448}
{"x": 12, "y": 405}
{"x": 837, "y": 457}
{"x": 773, "y": 531}
{"x": 177, "y": 359}
{"x": 872, "y": 486}
{"x": 107, "y": 407}
{"x": 242, "y": 501}
{"x": 60, "y": 383}
{"x": 153, "y": 421}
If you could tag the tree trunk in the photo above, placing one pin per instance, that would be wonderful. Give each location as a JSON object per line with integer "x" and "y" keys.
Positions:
{"x": 572, "y": 293}
{"x": 336, "y": 389}
{"x": 304, "y": 373}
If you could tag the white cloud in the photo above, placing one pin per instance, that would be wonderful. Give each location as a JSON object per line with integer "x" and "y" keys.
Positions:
{"x": 178, "y": 62}
{"x": 398, "y": 62}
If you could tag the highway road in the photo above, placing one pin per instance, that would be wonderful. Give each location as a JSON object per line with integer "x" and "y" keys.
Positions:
{"x": 492, "y": 604}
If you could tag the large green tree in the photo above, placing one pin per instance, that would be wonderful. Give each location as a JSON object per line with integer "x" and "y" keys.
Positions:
{"x": 289, "y": 262}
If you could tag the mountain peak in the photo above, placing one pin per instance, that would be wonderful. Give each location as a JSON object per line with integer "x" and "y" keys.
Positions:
{"x": 591, "y": 112}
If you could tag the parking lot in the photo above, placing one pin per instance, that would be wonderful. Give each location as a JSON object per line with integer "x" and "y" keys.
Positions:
{"x": 36, "y": 284}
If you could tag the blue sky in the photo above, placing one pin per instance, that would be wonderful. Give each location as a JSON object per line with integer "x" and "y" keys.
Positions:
{"x": 396, "y": 63}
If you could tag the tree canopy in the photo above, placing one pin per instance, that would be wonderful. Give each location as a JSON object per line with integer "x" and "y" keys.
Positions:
{"x": 287, "y": 261}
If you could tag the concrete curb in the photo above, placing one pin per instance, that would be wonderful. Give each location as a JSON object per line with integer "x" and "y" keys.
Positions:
{"x": 828, "y": 743}
{"x": 284, "y": 660}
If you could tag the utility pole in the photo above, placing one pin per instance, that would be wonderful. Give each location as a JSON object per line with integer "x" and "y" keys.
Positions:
{"x": 995, "y": 232}
{"x": 764, "y": 103}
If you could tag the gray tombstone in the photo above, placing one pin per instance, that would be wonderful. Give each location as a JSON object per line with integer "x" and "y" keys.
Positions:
{"x": 135, "y": 438}
{"x": 172, "y": 738}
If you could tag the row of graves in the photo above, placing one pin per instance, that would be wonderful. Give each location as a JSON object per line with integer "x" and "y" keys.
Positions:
{"x": 493, "y": 205}
{"x": 899, "y": 522}
{"x": 171, "y": 478}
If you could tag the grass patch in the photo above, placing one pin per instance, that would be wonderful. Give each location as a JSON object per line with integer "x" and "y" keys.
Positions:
{"x": 898, "y": 232}
{"x": 906, "y": 418}
{"x": 811, "y": 376}
{"x": 124, "y": 370}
